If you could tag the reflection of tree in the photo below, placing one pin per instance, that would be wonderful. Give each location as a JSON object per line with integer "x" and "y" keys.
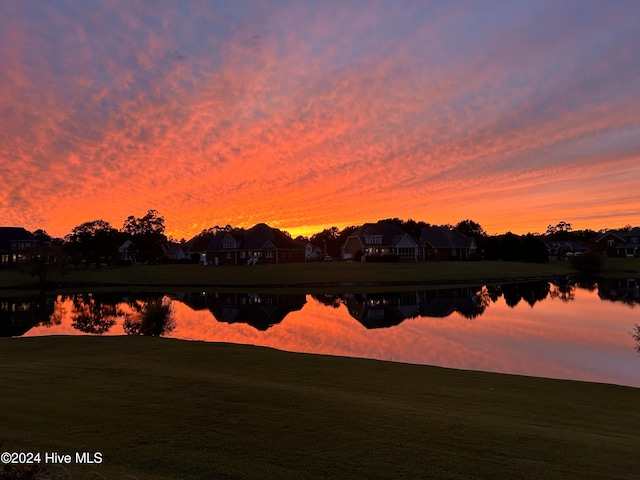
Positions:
{"x": 155, "y": 318}
{"x": 535, "y": 292}
{"x": 494, "y": 292}
{"x": 328, "y": 300}
{"x": 512, "y": 294}
{"x": 91, "y": 315}
{"x": 635, "y": 333}
{"x": 564, "y": 291}
{"x": 478, "y": 305}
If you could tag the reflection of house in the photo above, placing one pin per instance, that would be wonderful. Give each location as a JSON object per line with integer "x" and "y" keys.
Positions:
{"x": 625, "y": 290}
{"x": 19, "y": 315}
{"x": 442, "y": 303}
{"x": 621, "y": 243}
{"x": 441, "y": 243}
{"x": 259, "y": 244}
{"x": 379, "y": 242}
{"x": 382, "y": 310}
{"x": 260, "y": 311}
{"x": 14, "y": 241}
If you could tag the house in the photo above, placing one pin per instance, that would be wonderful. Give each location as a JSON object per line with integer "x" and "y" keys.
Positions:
{"x": 618, "y": 243}
{"x": 14, "y": 242}
{"x": 259, "y": 244}
{"x": 195, "y": 248}
{"x": 174, "y": 252}
{"x": 563, "y": 248}
{"x": 442, "y": 243}
{"x": 312, "y": 252}
{"x": 380, "y": 242}
{"x": 127, "y": 252}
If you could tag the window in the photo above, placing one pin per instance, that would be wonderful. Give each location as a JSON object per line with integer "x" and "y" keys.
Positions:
{"x": 5, "y": 258}
{"x": 610, "y": 243}
{"x": 228, "y": 256}
{"x": 407, "y": 252}
{"x": 373, "y": 239}
{"x": 229, "y": 244}
{"x": 269, "y": 254}
{"x": 243, "y": 254}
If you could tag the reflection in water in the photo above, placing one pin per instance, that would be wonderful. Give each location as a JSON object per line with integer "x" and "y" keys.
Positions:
{"x": 259, "y": 311}
{"x": 626, "y": 290}
{"x": 154, "y": 318}
{"x": 20, "y": 314}
{"x": 557, "y": 329}
{"x": 635, "y": 333}
{"x": 93, "y": 315}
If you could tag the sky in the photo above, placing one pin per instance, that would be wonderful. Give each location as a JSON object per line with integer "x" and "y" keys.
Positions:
{"x": 305, "y": 114}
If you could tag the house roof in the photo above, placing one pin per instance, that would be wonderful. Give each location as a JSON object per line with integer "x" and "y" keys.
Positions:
{"x": 566, "y": 244}
{"x": 258, "y": 237}
{"x": 391, "y": 234}
{"x": 623, "y": 235}
{"x": 198, "y": 244}
{"x": 442, "y": 237}
{"x": 9, "y": 235}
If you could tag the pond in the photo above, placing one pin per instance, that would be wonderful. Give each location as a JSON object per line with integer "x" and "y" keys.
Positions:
{"x": 583, "y": 332}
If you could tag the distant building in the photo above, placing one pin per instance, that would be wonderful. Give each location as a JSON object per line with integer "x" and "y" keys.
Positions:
{"x": 441, "y": 243}
{"x": 380, "y": 242}
{"x": 259, "y": 244}
{"x": 14, "y": 242}
{"x": 618, "y": 243}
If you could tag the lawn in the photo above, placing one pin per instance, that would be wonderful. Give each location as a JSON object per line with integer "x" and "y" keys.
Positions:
{"x": 333, "y": 274}
{"x": 169, "y": 409}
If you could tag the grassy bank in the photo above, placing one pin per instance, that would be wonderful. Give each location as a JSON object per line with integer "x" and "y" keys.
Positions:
{"x": 167, "y": 409}
{"x": 334, "y": 274}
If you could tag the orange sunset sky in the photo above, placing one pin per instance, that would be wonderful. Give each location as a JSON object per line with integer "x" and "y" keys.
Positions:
{"x": 309, "y": 114}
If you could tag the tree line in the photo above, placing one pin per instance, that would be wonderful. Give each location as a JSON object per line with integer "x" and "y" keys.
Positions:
{"x": 97, "y": 241}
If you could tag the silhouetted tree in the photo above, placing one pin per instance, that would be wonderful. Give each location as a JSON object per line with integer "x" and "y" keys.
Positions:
{"x": 510, "y": 247}
{"x": 94, "y": 241}
{"x": 471, "y": 229}
{"x": 331, "y": 239}
{"x": 533, "y": 249}
{"x": 147, "y": 235}
{"x": 559, "y": 232}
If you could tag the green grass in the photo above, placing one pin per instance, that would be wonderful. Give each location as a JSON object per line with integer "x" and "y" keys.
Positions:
{"x": 287, "y": 275}
{"x": 170, "y": 409}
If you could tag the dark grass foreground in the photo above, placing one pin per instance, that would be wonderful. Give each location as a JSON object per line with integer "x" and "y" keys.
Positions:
{"x": 170, "y": 409}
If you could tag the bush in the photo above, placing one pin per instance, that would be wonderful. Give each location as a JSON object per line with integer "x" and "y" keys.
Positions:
{"x": 588, "y": 262}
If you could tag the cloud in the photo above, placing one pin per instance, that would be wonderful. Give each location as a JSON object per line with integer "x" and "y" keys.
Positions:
{"x": 305, "y": 114}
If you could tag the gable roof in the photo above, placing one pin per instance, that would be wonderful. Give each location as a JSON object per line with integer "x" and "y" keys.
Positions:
{"x": 258, "y": 237}
{"x": 622, "y": 235}
{"x": 391, "y": 234}
{"x": 442, "y": 237}
{"x": 9, "y": 235}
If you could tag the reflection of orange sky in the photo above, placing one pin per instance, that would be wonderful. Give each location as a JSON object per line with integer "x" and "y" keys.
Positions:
{"x": 586, "y": 339}
{"x": 272, "y": 118}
